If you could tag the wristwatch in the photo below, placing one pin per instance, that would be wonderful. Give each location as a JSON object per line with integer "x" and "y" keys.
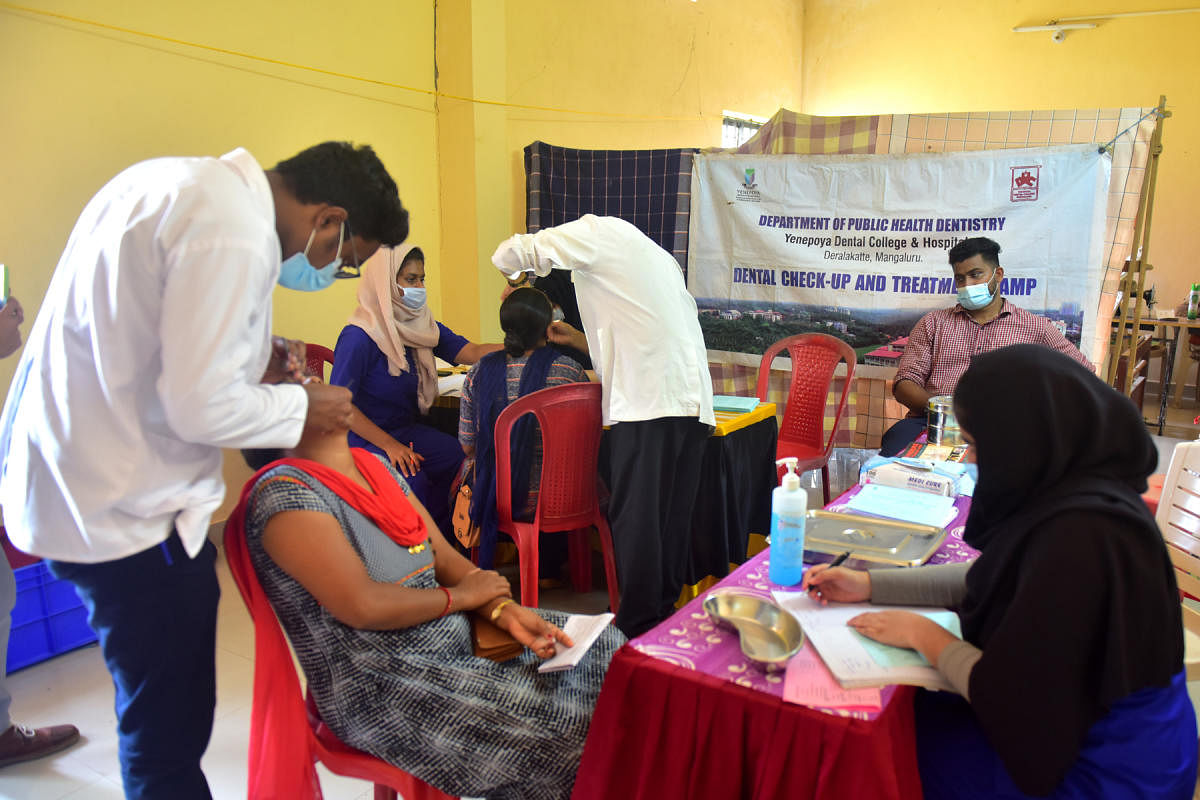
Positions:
{"x": 522, "y": 281}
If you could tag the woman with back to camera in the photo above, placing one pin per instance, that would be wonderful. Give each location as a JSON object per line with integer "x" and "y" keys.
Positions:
{"x": 526, "y": 365}
{"x": 385, "y": 357}
{"x": 1070, "y": 669}
{"x": 376, "y": 603}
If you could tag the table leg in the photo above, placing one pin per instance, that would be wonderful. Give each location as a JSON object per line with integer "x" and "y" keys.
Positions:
{"x": 1180, "y": 366}
{"x": 1172, "y": 349}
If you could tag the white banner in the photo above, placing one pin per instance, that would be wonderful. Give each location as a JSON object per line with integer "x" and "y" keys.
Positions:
{"x": 856, "y": 245}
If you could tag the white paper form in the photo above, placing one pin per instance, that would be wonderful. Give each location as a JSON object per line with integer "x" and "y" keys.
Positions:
{"x": 583, "y": 629}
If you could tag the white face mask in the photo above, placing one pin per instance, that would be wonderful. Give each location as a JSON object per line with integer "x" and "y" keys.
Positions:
{"x": 413, "y": 298}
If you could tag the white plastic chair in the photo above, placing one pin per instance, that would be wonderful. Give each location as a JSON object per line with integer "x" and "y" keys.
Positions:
{"x": 1178, "y": 518}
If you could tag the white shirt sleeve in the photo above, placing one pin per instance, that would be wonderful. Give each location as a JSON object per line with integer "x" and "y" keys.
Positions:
{"x": 215, "y": 334}
{"x": 572, "y": 245}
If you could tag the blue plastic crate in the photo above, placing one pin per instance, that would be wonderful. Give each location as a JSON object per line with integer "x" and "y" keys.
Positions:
{"x": 49, "y": 618}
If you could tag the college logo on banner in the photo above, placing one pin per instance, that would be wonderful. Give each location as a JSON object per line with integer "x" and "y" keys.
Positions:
{"x": 748, "y": 191}
{"x": 1025, "y": 183}
{"x": 856, "y": 246}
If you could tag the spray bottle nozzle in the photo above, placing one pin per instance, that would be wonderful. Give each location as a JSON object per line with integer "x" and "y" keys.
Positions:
{"x": 791, "y": 481}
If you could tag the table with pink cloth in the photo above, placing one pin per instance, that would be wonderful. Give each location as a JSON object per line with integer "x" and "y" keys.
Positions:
{"x": 684, "y": 714}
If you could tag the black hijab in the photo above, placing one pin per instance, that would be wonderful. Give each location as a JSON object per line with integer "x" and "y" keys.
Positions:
{"x": 1073, "y": 597}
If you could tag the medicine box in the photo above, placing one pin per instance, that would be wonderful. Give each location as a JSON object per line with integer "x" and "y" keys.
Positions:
{"x": 48, "y": 619}
{"x": 901, "y": 476}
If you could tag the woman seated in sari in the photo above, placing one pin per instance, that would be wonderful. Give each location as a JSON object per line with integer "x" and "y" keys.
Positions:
{"x": 376, "y": 605}
{"x": 525, "y": 365}
{"x": 1070, "y": 669}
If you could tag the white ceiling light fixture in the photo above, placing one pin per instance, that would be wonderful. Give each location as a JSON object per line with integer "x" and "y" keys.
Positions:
{"x": 1059, "y": 26}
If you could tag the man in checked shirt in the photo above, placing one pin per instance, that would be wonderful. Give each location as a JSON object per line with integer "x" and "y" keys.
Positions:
{"x": 942, "y": 342}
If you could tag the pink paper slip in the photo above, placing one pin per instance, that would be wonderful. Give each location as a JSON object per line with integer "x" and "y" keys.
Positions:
{"x": 808, "y": 682}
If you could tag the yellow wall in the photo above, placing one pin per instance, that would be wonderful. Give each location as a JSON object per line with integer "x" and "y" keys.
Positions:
{"x": 81, "y": 102}
{"x": 621, "y": 74}
{"x": 917, "y": 56}
{"x": 93, "y": 86}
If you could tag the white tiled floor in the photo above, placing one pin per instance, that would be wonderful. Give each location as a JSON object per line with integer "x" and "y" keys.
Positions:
{"x": 76, "y": 688}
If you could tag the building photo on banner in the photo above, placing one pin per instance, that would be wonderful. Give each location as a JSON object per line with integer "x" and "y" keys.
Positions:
{"x": 855, "y": 246}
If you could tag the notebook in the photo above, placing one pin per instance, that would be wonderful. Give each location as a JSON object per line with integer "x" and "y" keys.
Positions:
{"x": 734, "y": 405}
{"x": 583, "y": 629}
{"x": 855, "y": 660}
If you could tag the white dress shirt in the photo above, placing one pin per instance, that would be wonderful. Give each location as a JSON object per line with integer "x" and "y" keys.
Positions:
{"x": 144, "y": 361}
{"x": 641, "y": 324}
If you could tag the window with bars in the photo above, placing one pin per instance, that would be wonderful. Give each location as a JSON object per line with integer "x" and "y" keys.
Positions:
{"x": 736, "y": 130}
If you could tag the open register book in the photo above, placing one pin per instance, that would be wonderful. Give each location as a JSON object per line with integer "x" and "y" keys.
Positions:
{"x": 855, "y": 660}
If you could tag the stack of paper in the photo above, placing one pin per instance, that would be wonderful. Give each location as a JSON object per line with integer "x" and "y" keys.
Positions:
{"x": 584, "y": 630}
{"x": 911, "y": 506}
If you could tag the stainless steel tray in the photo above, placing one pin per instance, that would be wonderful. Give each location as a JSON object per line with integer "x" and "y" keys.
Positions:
{"x": 870, "y": 539}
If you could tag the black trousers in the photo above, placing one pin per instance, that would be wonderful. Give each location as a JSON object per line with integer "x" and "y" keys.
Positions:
{"x": 654, "y": 475}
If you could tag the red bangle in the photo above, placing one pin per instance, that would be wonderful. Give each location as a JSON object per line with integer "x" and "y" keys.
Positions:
{"x": 449, "y": 601}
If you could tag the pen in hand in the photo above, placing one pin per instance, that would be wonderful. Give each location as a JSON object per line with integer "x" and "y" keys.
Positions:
{"x": 815, "y": 590}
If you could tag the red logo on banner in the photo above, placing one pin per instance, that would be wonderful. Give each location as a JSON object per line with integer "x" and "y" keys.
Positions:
{"x": 1024, "y": 183}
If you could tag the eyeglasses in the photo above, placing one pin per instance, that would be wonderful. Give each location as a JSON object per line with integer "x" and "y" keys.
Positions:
{"x": 346, "y": 271}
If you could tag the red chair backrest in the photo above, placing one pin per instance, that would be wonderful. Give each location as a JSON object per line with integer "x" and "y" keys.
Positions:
{"x": 815, "y": 357}
{"x": 317, "y": 356}
{"x": 571, "y": 423}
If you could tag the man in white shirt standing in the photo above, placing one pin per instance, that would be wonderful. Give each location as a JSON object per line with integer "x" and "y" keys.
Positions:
{"x": 145, "y": 360}
{"x": 643, "y": 335}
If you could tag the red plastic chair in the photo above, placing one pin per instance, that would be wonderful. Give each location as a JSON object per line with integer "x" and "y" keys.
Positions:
{"x": 316, "y": 357}
{"x": 344, "y": 760}
{"x": 338, "y": 757}
{"x": 815, "y": 357}
{"x": 571, "y": 423}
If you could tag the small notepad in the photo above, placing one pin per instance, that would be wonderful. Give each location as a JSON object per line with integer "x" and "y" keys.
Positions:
{"x": 733, "y": 404}
{"x": 583, "y": 629}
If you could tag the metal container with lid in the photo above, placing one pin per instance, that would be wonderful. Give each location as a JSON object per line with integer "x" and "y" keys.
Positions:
{"x": 941, "y": 426}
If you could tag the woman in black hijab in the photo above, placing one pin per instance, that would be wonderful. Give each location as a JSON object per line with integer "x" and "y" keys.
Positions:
{"x": 1071, "y": 662}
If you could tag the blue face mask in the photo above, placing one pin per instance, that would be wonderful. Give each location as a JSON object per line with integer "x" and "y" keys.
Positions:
{"x": 978, "y": 296}
{"x": 413, "y": 298}
{"x": 298, "y": 273}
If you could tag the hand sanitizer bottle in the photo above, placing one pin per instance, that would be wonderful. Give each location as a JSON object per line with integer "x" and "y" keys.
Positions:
{"x": 789, "y": 504}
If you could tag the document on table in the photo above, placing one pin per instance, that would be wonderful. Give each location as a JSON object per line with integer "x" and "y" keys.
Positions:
{"x": 905, "y": 504}
{"x": 583, "y": 629}
{"x": 808, "y": 682}
{"x": 856, "y": 661}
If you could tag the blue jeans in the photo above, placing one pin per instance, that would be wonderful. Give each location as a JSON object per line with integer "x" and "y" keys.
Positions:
{"x": 155, "y": 613}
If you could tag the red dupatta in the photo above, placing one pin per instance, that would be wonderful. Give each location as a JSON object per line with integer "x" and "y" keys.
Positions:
{"x": 280, "y": 757}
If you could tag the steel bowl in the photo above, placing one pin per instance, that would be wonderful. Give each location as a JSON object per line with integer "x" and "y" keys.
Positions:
{"x": 768, "y": 634}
